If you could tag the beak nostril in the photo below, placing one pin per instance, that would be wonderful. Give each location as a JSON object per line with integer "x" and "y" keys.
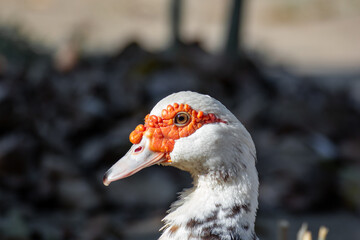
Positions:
{"x": 138, "y": 149}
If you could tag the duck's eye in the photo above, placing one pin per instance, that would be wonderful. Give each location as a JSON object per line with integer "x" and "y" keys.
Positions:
{"x": 181, "y": 119}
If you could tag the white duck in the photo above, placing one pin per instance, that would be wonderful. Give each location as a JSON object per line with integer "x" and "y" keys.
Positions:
{"x": 198, "y": 134}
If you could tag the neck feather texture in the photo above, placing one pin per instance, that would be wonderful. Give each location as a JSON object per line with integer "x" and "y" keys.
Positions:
{"x": 221, "y": 205}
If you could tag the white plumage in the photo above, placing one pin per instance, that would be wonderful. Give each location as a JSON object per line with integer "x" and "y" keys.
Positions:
{"x": 220, "y": 157}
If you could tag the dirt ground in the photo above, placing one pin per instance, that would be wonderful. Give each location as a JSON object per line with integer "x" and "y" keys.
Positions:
{"x": 311, "y": 36}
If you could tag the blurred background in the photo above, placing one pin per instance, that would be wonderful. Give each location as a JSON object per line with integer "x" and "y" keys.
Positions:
{"x": 76, "y": 77}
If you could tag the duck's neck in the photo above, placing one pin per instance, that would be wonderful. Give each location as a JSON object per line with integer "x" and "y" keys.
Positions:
{"x": 221, "y": 205}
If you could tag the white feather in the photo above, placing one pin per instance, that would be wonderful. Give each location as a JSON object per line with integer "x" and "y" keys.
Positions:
{"x": 221, "y": 159}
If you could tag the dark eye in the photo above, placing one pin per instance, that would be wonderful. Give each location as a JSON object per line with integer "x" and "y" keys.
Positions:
{"x": 181, "y": 119}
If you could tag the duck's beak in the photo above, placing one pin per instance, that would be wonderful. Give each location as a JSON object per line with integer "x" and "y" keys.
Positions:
{"x": 138, "y": 157}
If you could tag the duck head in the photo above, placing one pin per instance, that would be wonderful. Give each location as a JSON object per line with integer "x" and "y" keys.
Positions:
{"x": 192, "y": 132}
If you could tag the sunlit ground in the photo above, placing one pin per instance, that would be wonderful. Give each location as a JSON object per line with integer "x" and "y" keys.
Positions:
{"x": 307, "y": 35}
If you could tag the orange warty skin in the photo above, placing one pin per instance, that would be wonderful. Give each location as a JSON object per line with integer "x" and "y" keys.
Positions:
{"x": 163, "y": 132}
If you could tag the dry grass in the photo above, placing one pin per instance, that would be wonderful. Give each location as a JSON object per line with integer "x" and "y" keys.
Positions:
{"x": 303, "y": 233}
{"x": 284, "y": 11}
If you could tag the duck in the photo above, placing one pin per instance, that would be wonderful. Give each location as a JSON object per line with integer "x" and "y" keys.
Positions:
{"x": 198, "y": 134}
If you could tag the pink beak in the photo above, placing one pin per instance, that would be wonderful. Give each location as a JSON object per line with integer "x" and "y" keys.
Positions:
{"x": 138, "y": 157}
